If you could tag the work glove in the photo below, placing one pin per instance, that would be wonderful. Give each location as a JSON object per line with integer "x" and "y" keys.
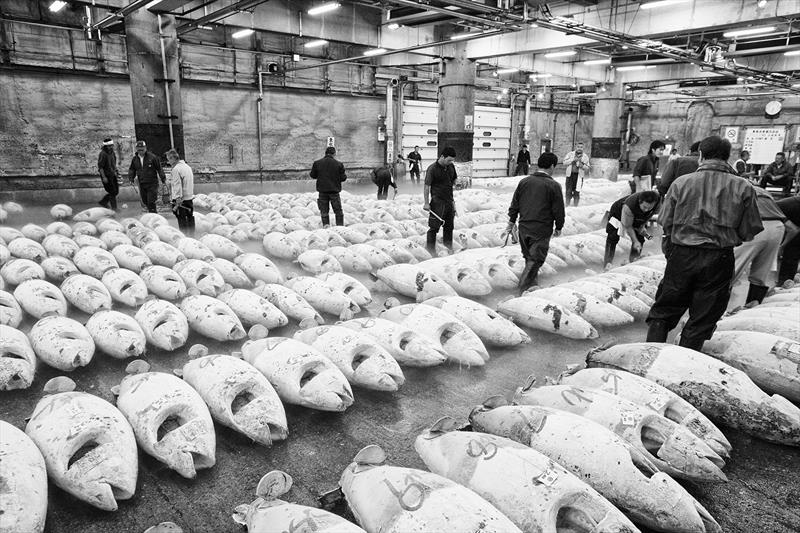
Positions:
{"x": 557, "y": 233}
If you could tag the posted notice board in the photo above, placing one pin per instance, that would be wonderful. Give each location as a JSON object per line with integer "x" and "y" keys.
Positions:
{"x": 763, "y": 143}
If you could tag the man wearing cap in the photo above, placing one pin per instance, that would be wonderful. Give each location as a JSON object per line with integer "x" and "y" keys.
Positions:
{"x": 107, "y": 166}
{"x": 438, "y": 196}
{"x": 329, "y": 174}
{"x": 147, "y": 167}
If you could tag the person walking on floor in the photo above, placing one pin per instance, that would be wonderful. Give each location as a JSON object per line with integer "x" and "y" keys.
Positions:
{"x": 329, "y": 174}
{"x": 146, "y": 166}
{"x": 675, "y": 168}
{"x": 382, "y": 177}
{"x": 778, "y": 173}
{"x": 107, "y": 167}
{"x": 577, "y": 165}
{"x": 415, "y": 164}
{"x": 789, "y": 251}
{"x": 438, "y": 199}
{"x": 523, "y": 161}
{"x": 646, "y": 168}
{"x": 704, "y": 216}
{"x": 539, "y": 204}
{"x": 628, "y": 216}
{"x": 181, "y": 191}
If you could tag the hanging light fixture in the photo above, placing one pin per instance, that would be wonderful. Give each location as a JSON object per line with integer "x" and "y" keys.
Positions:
{"x": 324, "y": 8}
{"x": 57, "y": 6}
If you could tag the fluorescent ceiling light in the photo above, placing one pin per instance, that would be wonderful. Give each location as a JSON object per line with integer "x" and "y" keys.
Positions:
{"x": 634, "y": 67}
{"x": 662, "y": 3}
{"x": 374, "y": 52}
{"x": 324, "y": 8}
{"x": 565, "y": 53}
{"x": 749, "y": 31}
{"x": 545, "y": 75}
{"x": 393, "y": 25}
{"x": 762, "y": 3}
{"x": 315, "y": 44}
{"x": 57, "y": 6}
{"x": 606, "y": 61}
{"x": 458, "y": 36}
{"x": 534, "y": 25}
{"x": 243, "y": 33}
{"x": 792, "y": 53}
{"x": 205, "y": 28}
{"x": 154, "y": 3}
{"x": 507, "y": 70}
{"x": 452, "y": 8}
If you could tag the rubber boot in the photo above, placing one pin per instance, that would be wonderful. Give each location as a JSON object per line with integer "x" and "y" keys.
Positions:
{"x": 657, "y": 331}
{"x": 525, "y": 279}
{"x": 340, "y": 220}
{"x": 326, "y": 221}
{"x": 611, "y": 249}
{"x": 691, "y": 343}
{"x": 756, "y": 293}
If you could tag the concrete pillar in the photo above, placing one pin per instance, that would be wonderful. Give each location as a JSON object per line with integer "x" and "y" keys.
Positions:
{"x": 457, "y": 108}
{"x": 156, "y": 113}
{"x": 606, "y": 138}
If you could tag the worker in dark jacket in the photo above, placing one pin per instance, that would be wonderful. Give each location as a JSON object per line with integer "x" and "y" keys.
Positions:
{"x": 329, "y": 174}
{"x": 789, "y": 252}
{"x": 146, "y": 166}
{"x": 778, "y": 173}
{"x": 627, "y": 216}
{"x": 675, "y": 168}
{"x": 704, "y": 216}
{"x": 382, "y": 177}
{"x": 523, "y": 161}
{"x": 107, "y": 167}
{"x": 646, "y": 168}
{"x": 438, "y": 199}
{"x": 415, "y": 163}
{"x": 539, "y": 204}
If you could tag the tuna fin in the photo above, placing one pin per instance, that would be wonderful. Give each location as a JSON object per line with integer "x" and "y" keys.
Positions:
{"x": 274, "y": 485}
{"x": 260, "y": 282}
{"x": 494, "y": 401}
{"x": 373, "y": 276}
{"x": 50, "y": 313}
{"x": 237, "y": 355}
{"x": 346, "y": 314}
{"x": 370, "y": 455}
{"x": 226, "y": 287}
{"x": 603, "y": 347}
{"x": 164, "y": 527}
{"x": 308, "y": 323}
{"x": 391, "y": 302}
{"x": 198, "y": 350}
{"x": 137, "y": 366}
{"x": 178, "y": 372}
{"x": 240, "y": 514}
{"x": 59, "y": 384}
{"x": 528, "y": 384}
{"x": 258, "y": 331}
{"x": 590, "y": 272}
{"x": 445, "y": 424}
{"x": 115, "y": 390}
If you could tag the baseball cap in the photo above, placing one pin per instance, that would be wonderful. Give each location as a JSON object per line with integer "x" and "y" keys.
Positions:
{"x": 141, "y": 144}
{"x": 449, "y": 151}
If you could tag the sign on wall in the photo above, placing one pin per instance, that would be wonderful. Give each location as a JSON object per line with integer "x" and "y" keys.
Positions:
{"x": 731, "y": 133}
{"x": 331, "y": 141}
{"x": 763, "y": 143}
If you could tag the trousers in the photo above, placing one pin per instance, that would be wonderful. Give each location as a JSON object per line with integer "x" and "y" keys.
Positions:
{"x": 790, "y": 260}
{"x": 383, "y": 190}
{"x": 761, "y": 254}
{"x": 325, "y": 202}
{"x": 446, "y": 211}
{"x": 522, "y": 169}
{"x": 697, "y": 279}
{"x": 148, "y": 192}
{"x": 612, "y": 238}
{"x": 414, "y": 172}
{"x": 184, "y": 212}
{"x": 571, "y": 190}
{"x": 111, "y": 186}
{"x": 784, "y": 183}
{"x": 534, "y": 243}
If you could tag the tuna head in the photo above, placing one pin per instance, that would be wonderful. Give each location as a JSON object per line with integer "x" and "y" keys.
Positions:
{"x": 10, "y": 311}
{"x": 17, "y": 359}
{"x": 88, "y": 446}
{"x": 201, "y": 275}
{"x": 38, "y": 298}
{"x": 170, "y": 421}
{"x": 163, "y": 324}
{"x": 116, "y": 334}
{"x": 86, "y": 293}
{"x": 62, "y": 343}
{"x": 163, "y": 282}
{"x": 238, "y": 396}
{"x": 24, "y": 488}
{"x": 125, "y": 287}
{"x": 212, "y": 318}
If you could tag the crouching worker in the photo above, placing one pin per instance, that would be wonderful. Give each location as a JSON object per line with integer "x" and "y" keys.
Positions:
{"x": 382, "y": 177}
{"x": 628, "y": 216}
{"x": 181, "y": 191}
{"x": 539, "y": 203}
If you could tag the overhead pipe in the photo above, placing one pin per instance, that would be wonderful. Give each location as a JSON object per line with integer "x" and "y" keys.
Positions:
{"x": 119, "y": 15}
{"x": 258, "y": 127}
{"x": 219, "y": 15}
{"x": 161, "y": 38}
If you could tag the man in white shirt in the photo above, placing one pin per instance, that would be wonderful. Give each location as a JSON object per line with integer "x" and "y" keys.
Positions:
{"x": 181, "y": 190}
{"x": 577, "y": 165}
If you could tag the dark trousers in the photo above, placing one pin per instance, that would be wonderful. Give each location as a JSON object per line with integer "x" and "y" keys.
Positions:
{"x": 184, "y": 212}
{"x": 534, "y": 243}
{"x": 327, "y": 200}
{"x": 697, "y": 279}
{"x": 612, "y": 238}
{"x": 790, "y": 260}
{"x": 148, "y": 192}
{"x": 784, "y": 183}
{"x": 522, "y": 169}
{"x": 111, "y": 186}
{"x": 383, "y": 190}
{"x": 446, "y": 211}
{"x": 414, "y": 172}
{"x": 571, "y": 189}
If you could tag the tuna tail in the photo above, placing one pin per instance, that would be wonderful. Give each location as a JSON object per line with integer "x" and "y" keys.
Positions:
{"x": 240, "y": 514}
{"x": 530, "y": 381}
{"x": 445, "y": 424}
{"x": 274, "y": 485}
{"x": 59, "y": 384}
{"x": 308, "y": 323}
{"x": 601, "y": 348}
{"x": 372, "y": 455}
{"x": 164, "y": 527}
{"x": 494, "y": 401}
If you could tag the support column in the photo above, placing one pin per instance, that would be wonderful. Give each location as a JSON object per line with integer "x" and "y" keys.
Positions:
{"x": 606, "y": 138}
{"x": 155, "y": 80}
{"x": 457, "y": 108}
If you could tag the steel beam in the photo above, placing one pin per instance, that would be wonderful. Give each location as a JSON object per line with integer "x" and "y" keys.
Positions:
{"x": 119, "y": 15}
{"x": 219, "y": 14}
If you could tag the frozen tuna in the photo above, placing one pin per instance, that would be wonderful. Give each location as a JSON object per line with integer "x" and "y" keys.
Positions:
{"x": 238, "y": 396}
{"x": 349, "y": 260}
{"x": 163, "y": 324}
{"x": 300, "y": 374}
{"x": 290, "y": 304}
{"x": 94, "y": 261}
{"x": 10, "y": 311}
{"x": 317, "y": 261}
{"x": 193, "y": 249}
{"x": 162, "y": 253}
{"x": 24, "y": 489}
{"x": 163, "y": 282}
{"x": 39, "y": 298}
{"x": 623, "y": 300}
{"x": 86, "y": 293}
{"x": 17, "y": 359}
{"x": 594, "y": 311}
{"x": 25, "y": 248}
{"x": 125, "y": 287}
{"x": 348, "y": 285}
{"x": 280, "y": 245}
{"x": 231, "y": 274}
{"x": 200, "y": 275}
{"x": 131, "y": 257}
{"x": 221, "y": 246}
{"x": 464, "y": 279}
{"x": 116, "y": 334}
{"x": 212, "y": 318}
{"x": 253, "y": 309}
{"x": 376, "y": 258}
{"x": 492, "y": 328}
{"x": 60, "y": 211}
{"x": 323, "y": 297}
{"x": 16, "y": 271}
{"x": 62, "y": 343}
{"x": 92, "y": 214}
{"x": 58, "y": 268}
{"x": 544, "y": 315}
{"x": 414, "y": 281}
{"x": 408, "y": 347}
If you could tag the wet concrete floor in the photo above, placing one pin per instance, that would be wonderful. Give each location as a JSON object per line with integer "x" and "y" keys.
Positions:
{"x": 762, "y": 495}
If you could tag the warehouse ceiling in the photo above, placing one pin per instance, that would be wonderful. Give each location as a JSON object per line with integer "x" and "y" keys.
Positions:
{"x": 673, "y": 44}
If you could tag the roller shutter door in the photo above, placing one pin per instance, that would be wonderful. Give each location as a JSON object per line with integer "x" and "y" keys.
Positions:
{"x": 490, "y": 149}
{"x": 421, "y": 128}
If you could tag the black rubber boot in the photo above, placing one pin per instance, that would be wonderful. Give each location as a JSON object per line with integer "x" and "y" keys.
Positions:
{"x": 691, "y": 343}
{"x": 756, "y": 293}
{"x": 657, "y": 331}
{"x": 524, "y": 282}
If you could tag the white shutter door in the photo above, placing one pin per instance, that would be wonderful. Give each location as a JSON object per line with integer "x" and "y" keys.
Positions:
{"x": 421, "y": 128}
{"x": 490, "y": 149}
